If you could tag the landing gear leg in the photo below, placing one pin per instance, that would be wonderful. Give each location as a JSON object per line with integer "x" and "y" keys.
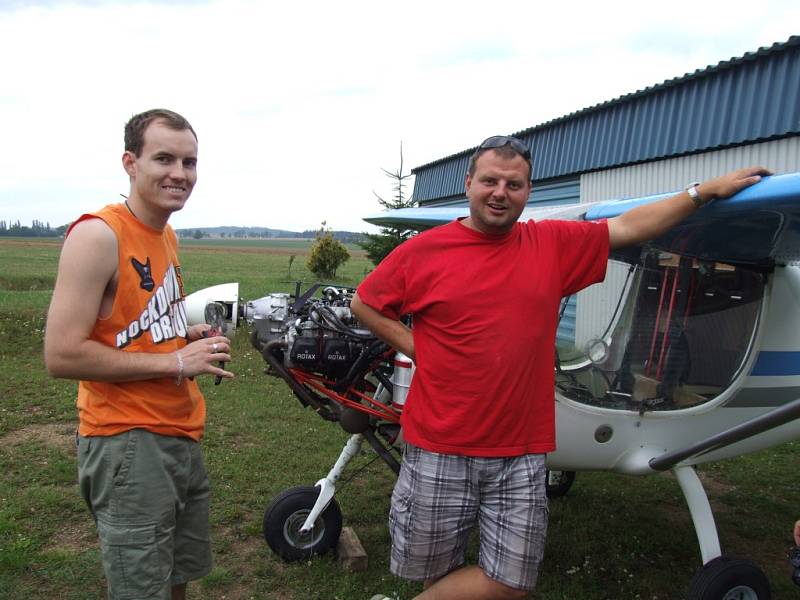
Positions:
{"x": 720, "y": 577}
{"x": 700, "y": 509}
{"x": 307, "y": 520}
{"x": 327, "y": 485}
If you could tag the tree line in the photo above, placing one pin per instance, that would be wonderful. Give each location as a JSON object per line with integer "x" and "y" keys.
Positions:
{"x": 36, "y": 229}
{"x": 346, "y": 237}
{"x": 327, "y": 253}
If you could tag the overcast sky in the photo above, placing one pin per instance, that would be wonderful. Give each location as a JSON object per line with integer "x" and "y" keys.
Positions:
{"x": 299, "y": 105}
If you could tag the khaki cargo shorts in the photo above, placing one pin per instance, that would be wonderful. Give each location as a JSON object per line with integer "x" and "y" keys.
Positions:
{"x": 149, "y": 496}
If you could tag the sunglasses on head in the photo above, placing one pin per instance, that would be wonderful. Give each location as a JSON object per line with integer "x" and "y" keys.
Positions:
{"x": 498, "y": 141}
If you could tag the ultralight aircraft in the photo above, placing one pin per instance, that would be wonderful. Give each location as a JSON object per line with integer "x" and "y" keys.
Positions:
{"x": 687, "y": 353}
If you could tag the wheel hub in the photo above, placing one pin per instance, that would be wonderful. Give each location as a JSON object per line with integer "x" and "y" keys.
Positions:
{"x": 292, "y": 530}
{"x": 741, "y": 592}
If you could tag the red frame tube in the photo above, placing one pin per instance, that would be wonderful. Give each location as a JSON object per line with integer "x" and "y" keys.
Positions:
{"x": 321, "y": 385}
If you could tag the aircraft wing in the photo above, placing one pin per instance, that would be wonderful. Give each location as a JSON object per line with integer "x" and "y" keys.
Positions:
{"x": 419, "y": 218}
{"x": 759, "y": 226}
{"x": 425, "y": 218}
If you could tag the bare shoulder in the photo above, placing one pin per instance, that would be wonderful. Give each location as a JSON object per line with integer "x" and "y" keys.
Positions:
{"x": 90, "y": 247}
{"x": 91, "y": 234}
{"x": 84, "y": 288}
{"x": 91, "y": 230}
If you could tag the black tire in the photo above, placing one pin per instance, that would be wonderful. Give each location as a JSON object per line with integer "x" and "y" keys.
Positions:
{"x": 286, "y": 514}
{"x": 557, "y": 483}
{"x": 726, "y": 578}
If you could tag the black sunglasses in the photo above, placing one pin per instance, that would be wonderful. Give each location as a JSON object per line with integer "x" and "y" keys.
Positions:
{"x": 498, "y": 141}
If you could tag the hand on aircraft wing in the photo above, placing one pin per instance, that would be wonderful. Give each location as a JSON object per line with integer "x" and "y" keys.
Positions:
{"x": 730, "y": 183}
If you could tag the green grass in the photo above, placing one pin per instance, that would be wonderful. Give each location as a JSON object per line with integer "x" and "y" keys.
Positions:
{"x": 611, "y": 537}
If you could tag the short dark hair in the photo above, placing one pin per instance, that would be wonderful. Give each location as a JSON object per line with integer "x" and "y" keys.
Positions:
{"x": 137, "y": 124}
{"x": 506, "y": 150}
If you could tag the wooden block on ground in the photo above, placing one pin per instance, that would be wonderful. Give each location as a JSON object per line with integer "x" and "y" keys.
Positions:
{"x": 350, "y": 553}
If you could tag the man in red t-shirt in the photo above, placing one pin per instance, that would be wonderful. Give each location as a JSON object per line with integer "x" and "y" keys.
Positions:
{"x": 479, "y": 420}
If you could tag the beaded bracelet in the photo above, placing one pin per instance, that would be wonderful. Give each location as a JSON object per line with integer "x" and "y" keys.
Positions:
{"x": 179, "y": 378}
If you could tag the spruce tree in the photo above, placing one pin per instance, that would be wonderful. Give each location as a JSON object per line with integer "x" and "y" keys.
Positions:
{"x": 379, "y": 245}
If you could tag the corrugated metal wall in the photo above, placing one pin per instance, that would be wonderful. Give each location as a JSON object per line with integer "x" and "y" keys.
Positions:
{"x": 555, "y": 194}
{"x": 749, "y": 99}
{"x": 781, "y": 156}
{"x": 549, "y": 194}
{"x": 441, "y": 180}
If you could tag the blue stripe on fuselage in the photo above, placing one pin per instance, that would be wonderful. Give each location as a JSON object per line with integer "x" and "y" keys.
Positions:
{"x": 770, "y": 364}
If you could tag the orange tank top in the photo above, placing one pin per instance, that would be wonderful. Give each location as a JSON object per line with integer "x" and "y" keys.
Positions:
{"x": 148, "y": 315}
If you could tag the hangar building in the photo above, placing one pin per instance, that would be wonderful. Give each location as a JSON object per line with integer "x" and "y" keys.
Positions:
{"x": 739, "y": 112}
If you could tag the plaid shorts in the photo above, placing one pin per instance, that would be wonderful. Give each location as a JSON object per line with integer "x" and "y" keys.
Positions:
{"x": 439, "y": 497}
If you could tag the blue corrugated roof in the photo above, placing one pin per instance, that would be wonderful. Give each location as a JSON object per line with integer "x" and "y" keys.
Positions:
{"x": 752, "y": 98}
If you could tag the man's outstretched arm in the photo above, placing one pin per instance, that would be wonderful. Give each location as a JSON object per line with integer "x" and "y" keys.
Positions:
{"x": 393, "y": 332}
{"x": 652, "y": 220}
{"x": 87, "y": 266}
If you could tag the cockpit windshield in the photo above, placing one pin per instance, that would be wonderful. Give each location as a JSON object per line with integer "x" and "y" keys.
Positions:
{"x": 662, "y": 332}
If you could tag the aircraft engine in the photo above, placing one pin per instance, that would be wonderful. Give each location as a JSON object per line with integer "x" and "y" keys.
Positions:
{"x": 319, "y": 333}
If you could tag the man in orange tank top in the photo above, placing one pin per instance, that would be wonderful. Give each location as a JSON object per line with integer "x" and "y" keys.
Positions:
{"x": 117, "y": 322}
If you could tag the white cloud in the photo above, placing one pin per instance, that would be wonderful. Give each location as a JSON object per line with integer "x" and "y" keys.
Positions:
{"x": 298, "y": 106}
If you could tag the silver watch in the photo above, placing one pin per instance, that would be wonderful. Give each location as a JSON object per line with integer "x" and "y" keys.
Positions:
{"x": 691, "y": 189}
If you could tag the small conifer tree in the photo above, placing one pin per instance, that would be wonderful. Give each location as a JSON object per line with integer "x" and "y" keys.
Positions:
{"x": 327, "y": 254}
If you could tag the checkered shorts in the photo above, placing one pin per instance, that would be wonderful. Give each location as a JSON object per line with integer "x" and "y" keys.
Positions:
{"x": 439, "y": 497}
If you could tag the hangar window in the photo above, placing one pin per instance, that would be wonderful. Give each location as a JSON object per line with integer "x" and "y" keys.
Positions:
{"x": 662, "y": 332}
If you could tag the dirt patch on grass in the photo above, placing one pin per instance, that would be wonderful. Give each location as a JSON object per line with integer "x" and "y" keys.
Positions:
{"x": 49, "y": 243}
{"x": 60, "y": 436}
{"x": 713, "y": 486}
{"x": 74, "y": 537}
{"x": 242, "y": 556}
{"x": 257, "y": 250}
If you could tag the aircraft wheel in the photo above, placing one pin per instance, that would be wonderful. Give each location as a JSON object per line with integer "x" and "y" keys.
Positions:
{"x": 557, "y": 483}
{"x": 285, "y": 516}
{"x": 726, "y": 578}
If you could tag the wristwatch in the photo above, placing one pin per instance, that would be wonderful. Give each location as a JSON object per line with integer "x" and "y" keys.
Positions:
{"x": 691, "y": 189}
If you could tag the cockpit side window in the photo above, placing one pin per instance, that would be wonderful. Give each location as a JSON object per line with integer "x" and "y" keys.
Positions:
{"x": 662, "y": 332}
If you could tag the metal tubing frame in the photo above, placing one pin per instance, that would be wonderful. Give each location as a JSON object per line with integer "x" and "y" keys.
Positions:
{"x": 664, "y": 283}
{"x": 321, "y": 385}
{"x": 665, "y": 337}
{"x": 774, "y": 418}
{"x": 299, "y": 390}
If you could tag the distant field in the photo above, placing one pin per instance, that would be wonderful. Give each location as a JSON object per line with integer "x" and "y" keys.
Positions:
{"x": 610, "y": 538}
{"x": 299, "y": 244}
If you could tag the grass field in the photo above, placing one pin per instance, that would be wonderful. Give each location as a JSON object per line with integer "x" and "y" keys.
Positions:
{"x": 298, "y": 244}
{"x": 611, "y": 537}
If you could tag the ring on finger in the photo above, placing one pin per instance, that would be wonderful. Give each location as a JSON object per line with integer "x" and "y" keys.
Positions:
{"x": 213, "y": 348}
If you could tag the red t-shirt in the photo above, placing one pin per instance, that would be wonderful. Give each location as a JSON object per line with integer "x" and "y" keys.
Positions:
{"x": 485, "y": 311}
